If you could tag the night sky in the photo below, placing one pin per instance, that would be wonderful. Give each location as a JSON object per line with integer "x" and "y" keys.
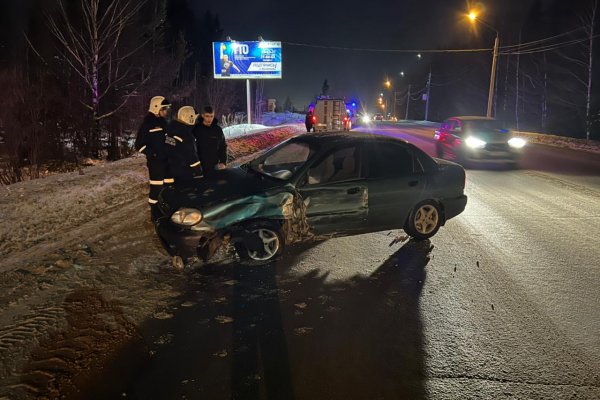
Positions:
{"x": 377, "y": 24}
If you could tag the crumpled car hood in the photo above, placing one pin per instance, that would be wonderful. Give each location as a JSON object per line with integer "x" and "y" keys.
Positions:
{"x": 232, "y": 196}
{"x": 226, "y": 185}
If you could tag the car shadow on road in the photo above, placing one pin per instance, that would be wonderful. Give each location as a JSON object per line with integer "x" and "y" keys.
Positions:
{"x": 265, "y": 333}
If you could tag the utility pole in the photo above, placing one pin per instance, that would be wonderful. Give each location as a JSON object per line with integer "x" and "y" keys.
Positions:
{"x": 493, "y": 77}
{"x": 407, "y": 103}
{"x": 428, "y": 93}
{"x": 248, "y": 101}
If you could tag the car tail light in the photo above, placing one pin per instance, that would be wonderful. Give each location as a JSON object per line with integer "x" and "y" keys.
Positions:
{"x": 314, "y": 119}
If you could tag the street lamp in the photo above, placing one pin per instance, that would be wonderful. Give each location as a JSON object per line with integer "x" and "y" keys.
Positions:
{"x": 474, "y": 18}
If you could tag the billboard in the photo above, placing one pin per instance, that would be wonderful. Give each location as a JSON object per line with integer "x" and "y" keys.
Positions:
{"x": 247, "y": 60}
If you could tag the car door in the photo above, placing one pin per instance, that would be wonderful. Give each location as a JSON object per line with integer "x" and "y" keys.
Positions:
{"x": 395, "y": 182}
{"x": 336, "y": 193}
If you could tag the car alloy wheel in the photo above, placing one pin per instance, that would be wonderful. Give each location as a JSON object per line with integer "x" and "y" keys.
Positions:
{"x": 426, "y": 219}
{"x": 271, "y": 245}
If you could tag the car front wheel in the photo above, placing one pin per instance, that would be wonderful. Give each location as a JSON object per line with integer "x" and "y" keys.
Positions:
{"x": 424, "y": 220}
{"x": 272, "y": 243}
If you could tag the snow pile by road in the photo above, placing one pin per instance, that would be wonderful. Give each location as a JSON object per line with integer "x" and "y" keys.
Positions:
{"x": 275, "y": 119}
{"x": 591, "y": 146}
{"x": 235, "y": 131}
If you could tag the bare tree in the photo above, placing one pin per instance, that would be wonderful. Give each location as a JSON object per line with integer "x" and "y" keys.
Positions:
{"x": 91, "y": 45}
{"x": 22, "y": 120}
{"x": 220, "y": 94}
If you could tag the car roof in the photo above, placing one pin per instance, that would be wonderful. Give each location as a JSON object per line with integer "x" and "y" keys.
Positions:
{"x": 347, "y": 137}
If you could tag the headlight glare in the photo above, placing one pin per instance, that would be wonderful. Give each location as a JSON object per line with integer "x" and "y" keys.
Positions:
{"x": 366, "y": 118}
{"x": 186, "y": 216}
{"x": 474, "y": 143}
{"x": 517, "y": 143}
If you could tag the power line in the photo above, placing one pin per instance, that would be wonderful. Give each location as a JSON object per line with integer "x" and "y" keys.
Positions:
{"x": 523, "y": 48}
{"x": 386, "y": 50}
{"x": 527, "y": 44}
{"x": 550, "y": 47}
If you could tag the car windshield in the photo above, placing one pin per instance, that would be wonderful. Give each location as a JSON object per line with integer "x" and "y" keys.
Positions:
{"x": 282, "y": 161}
{"x": 484, "y": 125}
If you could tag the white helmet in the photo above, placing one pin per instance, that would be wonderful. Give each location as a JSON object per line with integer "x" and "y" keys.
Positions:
{"x": 187, "y": 115}
{"x": 157, "y": 103}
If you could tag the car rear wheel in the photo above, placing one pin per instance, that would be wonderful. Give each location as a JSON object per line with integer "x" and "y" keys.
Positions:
{"x": 424, "y": 220}
{"x": 272, "y": 243}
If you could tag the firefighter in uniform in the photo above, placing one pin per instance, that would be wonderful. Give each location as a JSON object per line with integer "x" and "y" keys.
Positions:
{"x": 181, "y": 146}
{"x": 151, "y": 142}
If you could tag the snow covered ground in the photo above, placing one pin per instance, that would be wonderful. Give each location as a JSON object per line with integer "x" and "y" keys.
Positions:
{"x": 235, "y": 131}
{"x": 275, "y": 119}
{"x": 81, "y": 269}
{"x": 268, "y": 120}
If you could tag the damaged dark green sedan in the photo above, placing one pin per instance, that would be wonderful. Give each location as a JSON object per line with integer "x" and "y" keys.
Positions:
{"x": 309, "y": 187}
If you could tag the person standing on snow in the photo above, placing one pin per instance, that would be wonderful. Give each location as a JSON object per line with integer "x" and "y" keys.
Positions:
{"x": 309, "y": 121}
{"x": 150, "y": 141}
{"x": 181, "y": 146}
{"x": 210, "y": 140}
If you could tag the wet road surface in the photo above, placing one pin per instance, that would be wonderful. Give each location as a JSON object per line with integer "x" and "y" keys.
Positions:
{"x": 502, "y": 303}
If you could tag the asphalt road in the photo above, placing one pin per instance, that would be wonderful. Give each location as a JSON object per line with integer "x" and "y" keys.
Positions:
{"x": 503, "y": 303}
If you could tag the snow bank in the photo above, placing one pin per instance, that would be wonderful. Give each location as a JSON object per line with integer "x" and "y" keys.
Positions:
{"x": 275, "y": 119}
{"x": 236, "y": 131}
{"x": 592, "y": 146}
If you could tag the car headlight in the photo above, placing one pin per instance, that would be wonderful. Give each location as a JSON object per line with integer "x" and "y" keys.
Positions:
{"x": 186, "y": 216}
{"x": 366, "y": 118}
{"x": 474, "y": 143}
{"x": 517, "y": 143}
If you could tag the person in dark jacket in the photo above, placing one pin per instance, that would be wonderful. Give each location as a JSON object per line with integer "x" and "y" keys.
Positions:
{"x": 181, "y": 146}
{"x": 150, "y": 141}
{"x": 212, "y": 148}
{"x": 309, "y": 121}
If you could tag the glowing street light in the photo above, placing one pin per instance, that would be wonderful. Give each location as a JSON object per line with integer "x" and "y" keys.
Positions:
{"x": 419, "y": 56}
{"x": 474, "y": 19}
{"x": 402, "y": 74}
{"x": 388, "y": 83}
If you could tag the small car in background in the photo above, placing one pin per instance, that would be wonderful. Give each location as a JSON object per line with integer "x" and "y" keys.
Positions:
{"x": 378, "y": 117}
{"x": 311, "y": 186}
{"x": 468, "y": 140}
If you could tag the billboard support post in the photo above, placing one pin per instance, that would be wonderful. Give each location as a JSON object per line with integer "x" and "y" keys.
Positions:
{"x": 248, "y": 97}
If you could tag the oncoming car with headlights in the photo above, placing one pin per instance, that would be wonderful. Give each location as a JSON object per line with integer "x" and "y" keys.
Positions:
{"x": 309, "y": 187}
{"x": 468, "y": 140}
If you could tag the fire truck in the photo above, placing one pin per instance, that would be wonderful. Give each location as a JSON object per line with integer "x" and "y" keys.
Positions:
{"x": 331, "y": 115}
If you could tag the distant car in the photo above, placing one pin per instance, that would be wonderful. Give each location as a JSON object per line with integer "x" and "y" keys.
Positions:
{"x": 311, "y": 186}
{"x": 378, "y": 117}
{"x": 468, "y": 140}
